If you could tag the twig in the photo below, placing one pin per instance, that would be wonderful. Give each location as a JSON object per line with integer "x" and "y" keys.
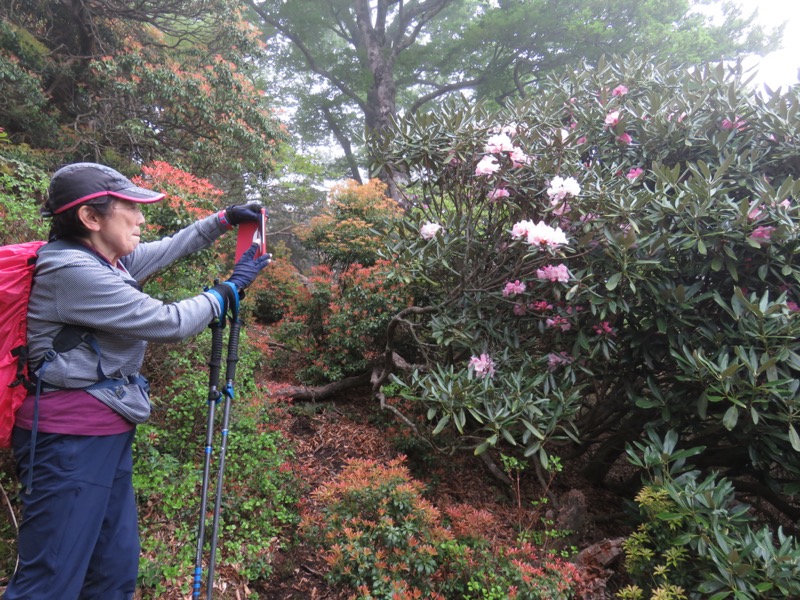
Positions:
{"x": 494, "y": 469}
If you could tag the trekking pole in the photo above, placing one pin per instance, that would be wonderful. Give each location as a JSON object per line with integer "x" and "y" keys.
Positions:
{"x": 228, "y": 392}
{"x": 215, "y": 364}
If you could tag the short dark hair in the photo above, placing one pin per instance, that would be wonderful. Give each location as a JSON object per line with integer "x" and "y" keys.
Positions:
{"x": 68, "y": 224}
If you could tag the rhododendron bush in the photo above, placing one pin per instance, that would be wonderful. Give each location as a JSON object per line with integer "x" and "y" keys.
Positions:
{"x": 613, "y": 255}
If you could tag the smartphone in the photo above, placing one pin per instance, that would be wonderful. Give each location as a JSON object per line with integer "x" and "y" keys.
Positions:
{"x": 252, "y": 233}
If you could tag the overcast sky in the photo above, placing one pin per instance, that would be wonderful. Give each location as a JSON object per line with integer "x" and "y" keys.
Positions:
{"x": 779, "y": 68}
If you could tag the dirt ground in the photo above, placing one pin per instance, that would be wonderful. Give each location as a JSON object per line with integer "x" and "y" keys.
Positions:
{"x": 329, "y": 433}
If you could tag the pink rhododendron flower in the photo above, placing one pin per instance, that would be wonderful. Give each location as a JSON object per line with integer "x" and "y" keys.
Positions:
{"x": 737, "y": 123}
{"x": 556, "y": 360}
{"x": 792, "y": 306}
{"x": 518, "y": 157}
{"x": 560, "y": 208}
{"x": 558, "y": 322}
{"x": 544, "y": 235}
{"x": 612, "y": 118}
{"x": 482, "y": 365}
{"x": 520, "y": 230}
{"x": 513, "y": 288}
{"x": 429, "y": 230}
{"x": 634, "y": 173}
{"x": 499, "y": 143}
{"x": 519, "y": 309}
{"x": 540, "y": 305}
{"x": 624, "y": 138}
{"x": 487, "y": 166}
{"x": 560, "y": 188}
{"x": 553, "y": 273}
{"x": 498, "y": 193}
{"x": 762, "y": 234}
{"x": 604, "y": 328}
{"x": 620, "y": 90}
{"x": 754, "y": 213}
{"x": 581, "y": 140}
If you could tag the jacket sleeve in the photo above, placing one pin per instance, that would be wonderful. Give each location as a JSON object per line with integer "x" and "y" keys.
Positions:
{"x": 96, "y": 296}
{"x": 151, "y": 257}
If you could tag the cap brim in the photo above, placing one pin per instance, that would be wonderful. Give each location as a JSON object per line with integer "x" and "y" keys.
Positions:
{"x": 137, "y": 194}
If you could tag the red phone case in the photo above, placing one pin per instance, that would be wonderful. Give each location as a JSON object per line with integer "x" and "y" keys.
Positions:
{"x": 249, "y": 233}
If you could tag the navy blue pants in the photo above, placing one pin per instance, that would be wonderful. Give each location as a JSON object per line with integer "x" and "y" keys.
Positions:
{"x": 79, "y": 537}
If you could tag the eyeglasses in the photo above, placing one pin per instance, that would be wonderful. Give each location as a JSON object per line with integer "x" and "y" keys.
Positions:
{"x": 132, "y": 206}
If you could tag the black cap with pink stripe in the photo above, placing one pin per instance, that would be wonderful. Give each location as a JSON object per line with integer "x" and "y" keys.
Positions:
{"x": 81, "y": 182}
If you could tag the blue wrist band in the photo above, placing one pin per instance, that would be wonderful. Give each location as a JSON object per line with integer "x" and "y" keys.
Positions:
{"x": 235, "y": 295}
{"x": 220, "y": 299}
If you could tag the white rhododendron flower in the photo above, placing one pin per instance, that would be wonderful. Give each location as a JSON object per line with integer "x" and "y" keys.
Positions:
{"x": 429, "y": 230}
{"x": 544, "y": 235}
{"x": 560, "y": 188}
{"x": 520, "y": 230}
{"x": 499, "y": 143}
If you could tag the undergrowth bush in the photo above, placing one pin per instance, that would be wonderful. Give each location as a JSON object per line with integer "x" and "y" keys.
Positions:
{"x": 696, "y": 540}
{"x": 259, "y": 494}
{"x": 352, "y": 227}
{"x": 340, "y": 325}
{"x": 385, "y": 541}
{"x": 338, "y": 322}
{"x": 9, "y": 516}
{"x": 278, "y": 290}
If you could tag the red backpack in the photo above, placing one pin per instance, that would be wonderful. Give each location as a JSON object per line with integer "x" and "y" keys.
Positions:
{"x": 17, "y": 262}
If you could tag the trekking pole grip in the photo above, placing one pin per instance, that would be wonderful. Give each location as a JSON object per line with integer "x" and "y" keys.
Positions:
{"x": 215, "y": 362}
{"x": 233, "y": 350}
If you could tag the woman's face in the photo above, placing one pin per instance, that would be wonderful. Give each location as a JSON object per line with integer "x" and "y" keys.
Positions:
{"x": 120, "y": 231}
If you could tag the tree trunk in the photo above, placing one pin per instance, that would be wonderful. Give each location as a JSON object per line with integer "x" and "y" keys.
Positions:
{"x": 323, "y": 392}
{"x": 609, "y": 451}
{"x": 382, "y": 95}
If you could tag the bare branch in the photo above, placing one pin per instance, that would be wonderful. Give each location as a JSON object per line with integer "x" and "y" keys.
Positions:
{"x": 310, "y": 60}
{"x": 344, "y": 142}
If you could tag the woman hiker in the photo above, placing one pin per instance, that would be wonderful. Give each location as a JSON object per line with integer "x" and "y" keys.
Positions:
{"x": 78, "y": 538}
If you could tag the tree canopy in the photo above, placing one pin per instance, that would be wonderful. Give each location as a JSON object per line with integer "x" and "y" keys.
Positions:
{"x": 126, "y": 82}
{"x": 352, "y": 65}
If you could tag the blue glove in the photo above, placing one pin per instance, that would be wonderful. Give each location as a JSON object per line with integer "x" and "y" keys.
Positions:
{"x": 228, "y": 293}
{"x": 248, "y": 268}
{"x": 243, "y": 213}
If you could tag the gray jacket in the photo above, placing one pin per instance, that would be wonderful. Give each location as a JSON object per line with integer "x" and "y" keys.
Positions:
{"x": 70, "y": 287}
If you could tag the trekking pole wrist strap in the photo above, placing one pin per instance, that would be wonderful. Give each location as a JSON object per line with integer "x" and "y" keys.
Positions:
{"x": 227, "y": 295}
